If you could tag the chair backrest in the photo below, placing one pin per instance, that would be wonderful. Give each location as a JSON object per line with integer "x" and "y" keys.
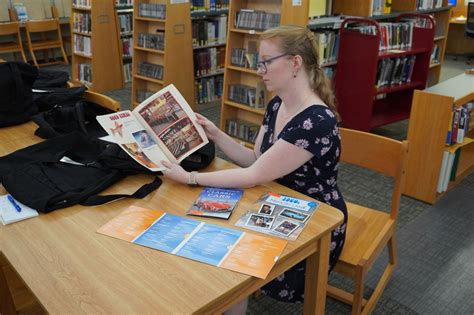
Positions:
{"x": 11, "y": 28}
{"x": 469, "y": 26}
{"x": 377, "y": 153}
{"x": 42, "y": 25}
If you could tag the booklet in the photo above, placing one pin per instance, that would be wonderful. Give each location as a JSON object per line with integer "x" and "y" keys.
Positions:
{"x": 12, "y": 210}
{"x": 278, "y": 215}
{"x": 212, "y": 244}
{"x": 163, "y": 127}
{"x": 216, "y": 202}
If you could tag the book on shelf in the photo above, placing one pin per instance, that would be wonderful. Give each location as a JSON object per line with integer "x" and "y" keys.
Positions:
{"x": 211, "y": 244}
{"x": 278, "y": 215}
{"x": 216, "y": 202}
{"x": 162, "y": 127}
{"x": 12, "y": 210}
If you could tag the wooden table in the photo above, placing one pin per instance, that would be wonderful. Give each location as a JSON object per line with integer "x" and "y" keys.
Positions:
{"x": 72, "y": 269}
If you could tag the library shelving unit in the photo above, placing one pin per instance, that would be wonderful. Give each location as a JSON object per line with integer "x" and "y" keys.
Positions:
{"x": 96, "y": 57}
{"x": 242, "y": 118}
{"x": 429, "y": 123}
{"x": 209, "y": 25}
{"x": 441, "y": 15}
{"x": 124, "y": 16}
{"x": 361, "y": 104}
{"x": 162, "y": 49}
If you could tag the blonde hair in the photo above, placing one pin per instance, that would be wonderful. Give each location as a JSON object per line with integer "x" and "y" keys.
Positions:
{"x": 296, "y": 40}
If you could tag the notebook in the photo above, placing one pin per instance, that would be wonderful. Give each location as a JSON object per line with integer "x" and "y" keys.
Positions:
{"x": 9, "y": 213}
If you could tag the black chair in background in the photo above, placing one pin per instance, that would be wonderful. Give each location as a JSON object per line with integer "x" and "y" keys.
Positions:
{"x": 469, "y": 27}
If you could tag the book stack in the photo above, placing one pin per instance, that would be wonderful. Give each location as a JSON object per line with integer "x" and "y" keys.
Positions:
{"x": 82, "y": 22}
{"x": 396, "y": 35}
{"x": 209, "y": 5}
{"x": 434, "y": 58}
{"x": 127, "y": 44}
{"x": 123, "y": 3}
{"x": 84, "y": 72}
{"x": 391, "y": 71}
{"x": 126, "y": 23}
{"x": 209, "y": 32}
{"x": 209, "y": 89}
{"x": 143, "y": 95}
{"x": 150, "y": 70}
{"x": 127, "y": 71}
{"x": 209, "y": 61}
{"x": 380, "y": 7}
{"x": 328, "y": 43}
{"x": 459, "y": 125}
{"x": 152, "y": 41}
{"x": 428, "y": 4}
{"x": 256, "y": 20}
{"x": 81, "y": 4}
{"x": 242, "y": 129}
{"x": 152, "y": 10}
{"x": 82, "y": 45}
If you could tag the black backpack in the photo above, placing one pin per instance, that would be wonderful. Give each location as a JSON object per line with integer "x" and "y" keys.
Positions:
{"x": 16, "y": 80}
{"x": 68, "y": 170}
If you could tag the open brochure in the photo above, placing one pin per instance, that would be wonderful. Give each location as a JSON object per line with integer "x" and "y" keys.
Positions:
{"x": 163, "y": 127}
{"x": 278, "y": 215}
{"x": 235, "y": 250}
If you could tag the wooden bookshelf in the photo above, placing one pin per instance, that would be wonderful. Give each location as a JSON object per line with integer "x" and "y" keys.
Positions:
{"x": 175, "y": 57}
{"x": 430, "y": 119}
{"x": 361, "y": 105}
{"x": 441, "y": 15}
{"x": 124, "y": 16}
{"x": 100, "y": 67}
{"x": 239, "y": 38}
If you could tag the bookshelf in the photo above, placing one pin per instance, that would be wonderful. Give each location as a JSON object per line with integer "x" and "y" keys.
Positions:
{"x": 361, "y": 104}
{"x": 162, "y": 51}
{"x": 238, "y": 118}
{"x": 96, "y": 57}
{"x": 209, "y": 32}
{"x": 439, "y": 9}
{"x": 430, "y": 119}
{"x": 124, "y": 16}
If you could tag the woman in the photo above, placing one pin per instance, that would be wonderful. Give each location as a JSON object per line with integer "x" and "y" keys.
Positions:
{"x": 300, "y": 123}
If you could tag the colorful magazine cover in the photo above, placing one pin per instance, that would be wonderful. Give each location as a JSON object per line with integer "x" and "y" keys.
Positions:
{"x": 216, "y": 202}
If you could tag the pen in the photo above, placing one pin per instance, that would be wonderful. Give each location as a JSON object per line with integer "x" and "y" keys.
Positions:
{"x": 13, "y": 202}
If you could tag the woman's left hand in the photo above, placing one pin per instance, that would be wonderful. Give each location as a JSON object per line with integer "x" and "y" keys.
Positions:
{"x": 175, "y": 172}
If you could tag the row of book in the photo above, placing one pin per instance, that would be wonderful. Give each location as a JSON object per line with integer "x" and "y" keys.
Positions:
{"x": 152, "y": 41}
{"x": 392, "y": 71}
{"x": 209, "y": 89}
{"x": 81, "y": 3}
{"x": 248, "y": 95}
{"x": 459, "y": 125}
{"x": 152, "y": 10}
{"x": 242, "y": 130}
{"x": 125, "y": 23}
{"x": 209, "y": 5}
{"x": 150, "y": 70}
{"x": 242, "y": 58}
{"x": 84, "y": 72}
{"x": 392, "y": 35}
{"x": 127, "y": 72}
{"x": 82, "y": 45}
{"x": 328, "y": 44}
{"x": 127, "y": 46}
{"x": 209, "y": 31}
{"x": 256, "y": 20}
{"x": 208, "y": 61}
{"x": 434, "y": 58}
{"x": 82, "y": 23}
{"x": 380, "y": 7}
{"x": 123, "y": 3}
{"x": 428, "y": 4}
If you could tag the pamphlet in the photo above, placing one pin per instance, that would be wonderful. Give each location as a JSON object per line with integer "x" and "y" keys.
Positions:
{"x": 278, "y": 215}
{"x": 216, "y": 202}
{"x": 12, "y": 210}
{"x": 163, "y": 127}
{"x": 212, "y": 244}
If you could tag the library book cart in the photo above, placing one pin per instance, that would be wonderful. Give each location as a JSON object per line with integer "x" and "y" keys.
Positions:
{"x": 430, "y": 121}
{"x": 244, "y": 96}
{"x": 162, "y": 49}
{"x": 96, "y": 56}
{"x": 361, "y": 104}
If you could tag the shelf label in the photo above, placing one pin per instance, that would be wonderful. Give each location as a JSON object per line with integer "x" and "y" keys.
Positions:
{"x": 296, "y": 3}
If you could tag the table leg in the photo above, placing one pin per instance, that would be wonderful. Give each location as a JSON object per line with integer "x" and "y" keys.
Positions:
{"x": 316, "y": 278}
{"x": 7, "y": 305}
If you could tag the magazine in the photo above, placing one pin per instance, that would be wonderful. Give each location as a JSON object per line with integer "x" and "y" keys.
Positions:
{"x": 278, "y": 215}
{"x": 212, "y": 244}
{"x": 163, "y": 127}
{"x": 216, "y": 202}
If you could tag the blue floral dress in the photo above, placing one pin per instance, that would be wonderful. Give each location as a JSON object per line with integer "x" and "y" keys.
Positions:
{"x": 314, "y": 129}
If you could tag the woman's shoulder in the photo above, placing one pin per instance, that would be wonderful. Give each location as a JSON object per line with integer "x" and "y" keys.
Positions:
{"x": 318, "y": 113}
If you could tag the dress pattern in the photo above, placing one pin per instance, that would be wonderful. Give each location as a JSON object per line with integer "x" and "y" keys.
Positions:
{"x": 313, "y": 129}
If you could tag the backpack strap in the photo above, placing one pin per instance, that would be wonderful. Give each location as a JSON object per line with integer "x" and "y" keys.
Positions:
{"x": 139, "y": 194}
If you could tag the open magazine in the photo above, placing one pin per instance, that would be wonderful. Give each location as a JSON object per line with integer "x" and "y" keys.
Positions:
{"x": 163, "y": 127}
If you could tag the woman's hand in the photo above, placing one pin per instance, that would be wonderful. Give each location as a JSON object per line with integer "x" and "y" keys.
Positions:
{"x": 175, "y": 172}
{"x": 211, "y": 130}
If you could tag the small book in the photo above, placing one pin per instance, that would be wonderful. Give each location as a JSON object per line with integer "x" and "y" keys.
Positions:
{"x": 12, "y": 211}
{"x": 21, "y": 12}
{"x": 161, "y": 128}
{"x": 216, "y": 202}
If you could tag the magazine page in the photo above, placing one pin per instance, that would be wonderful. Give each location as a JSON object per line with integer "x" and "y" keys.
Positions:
{"x": 216, "y": 202}
{"x": 127, "y": 132}
{"x": 278, "y": 215}
{"x": 169, "y": 117}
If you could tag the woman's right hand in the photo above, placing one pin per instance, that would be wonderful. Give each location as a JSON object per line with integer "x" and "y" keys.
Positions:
{"x": 211, "y": 130}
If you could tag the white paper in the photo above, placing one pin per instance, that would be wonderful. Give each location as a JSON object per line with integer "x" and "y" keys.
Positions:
{"x": 9, "y": 214}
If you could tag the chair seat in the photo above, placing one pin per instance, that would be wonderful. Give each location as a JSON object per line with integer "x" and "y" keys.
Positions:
{"x": 364, "y": 226}
{"x": 9, "y": 47}
{"x": 45, "y": 44}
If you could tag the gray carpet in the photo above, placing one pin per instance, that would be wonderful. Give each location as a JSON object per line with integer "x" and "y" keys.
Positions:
{"x": 435, "y": 274}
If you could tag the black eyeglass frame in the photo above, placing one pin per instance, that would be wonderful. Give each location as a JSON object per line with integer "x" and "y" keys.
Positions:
{"x": 262, "y": 65}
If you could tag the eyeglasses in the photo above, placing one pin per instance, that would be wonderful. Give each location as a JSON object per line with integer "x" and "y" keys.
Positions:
{"x": 262, "y": 65}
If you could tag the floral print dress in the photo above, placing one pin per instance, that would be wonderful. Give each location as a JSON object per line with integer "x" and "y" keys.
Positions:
{"x": 314, "y": 129}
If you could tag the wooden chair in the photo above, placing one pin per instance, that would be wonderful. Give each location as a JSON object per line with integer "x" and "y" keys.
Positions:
{"x": 11, "y": 29}
{"x": 368, "y": 230}
{"x": 42, "y": 26}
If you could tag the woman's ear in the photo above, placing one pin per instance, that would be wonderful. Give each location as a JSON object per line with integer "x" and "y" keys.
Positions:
{"x": 297, "y": 62}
